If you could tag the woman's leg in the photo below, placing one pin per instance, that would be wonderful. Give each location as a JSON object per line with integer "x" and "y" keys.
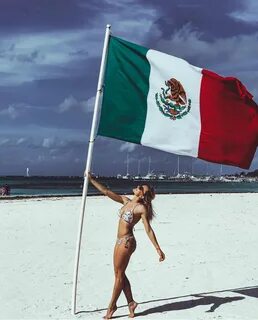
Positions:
{"x": 121, "y": 260}
{"x": 127, "y": 290}
{"x": 132, "y": 305}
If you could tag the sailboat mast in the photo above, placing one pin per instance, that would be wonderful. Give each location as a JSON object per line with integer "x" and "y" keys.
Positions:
{"x": 149, "y": 165}
{"x": 127, "y": 164}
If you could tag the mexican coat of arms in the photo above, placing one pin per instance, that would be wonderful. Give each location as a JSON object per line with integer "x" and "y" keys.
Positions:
{"x": 172, "y": 101}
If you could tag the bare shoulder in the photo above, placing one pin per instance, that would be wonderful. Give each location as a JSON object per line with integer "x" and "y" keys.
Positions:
{"x": 140, "y": 209}
{"x": 125, "y": 199}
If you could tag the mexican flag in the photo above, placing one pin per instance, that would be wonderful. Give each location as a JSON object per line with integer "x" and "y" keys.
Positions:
{"x": 163, "y": 102}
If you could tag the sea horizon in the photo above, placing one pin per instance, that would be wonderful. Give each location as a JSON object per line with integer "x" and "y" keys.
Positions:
{"x": 73, "y": 185}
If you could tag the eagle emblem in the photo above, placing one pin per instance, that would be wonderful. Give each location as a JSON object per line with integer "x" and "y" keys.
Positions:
{"x": 172, "y": 101}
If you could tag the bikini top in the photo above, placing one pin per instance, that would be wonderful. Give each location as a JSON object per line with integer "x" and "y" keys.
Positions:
{"x": 127, "y": 215}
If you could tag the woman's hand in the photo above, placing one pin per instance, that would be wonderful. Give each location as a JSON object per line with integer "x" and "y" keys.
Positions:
{"x": 88, "y": 174}
{"x": 161, "y": 255}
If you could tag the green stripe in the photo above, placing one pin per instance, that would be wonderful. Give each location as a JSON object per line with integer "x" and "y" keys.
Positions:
{"x": 126, "y": 86}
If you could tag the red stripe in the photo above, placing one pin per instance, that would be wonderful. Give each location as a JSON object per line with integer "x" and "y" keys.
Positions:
{"x": 229, "y": 121}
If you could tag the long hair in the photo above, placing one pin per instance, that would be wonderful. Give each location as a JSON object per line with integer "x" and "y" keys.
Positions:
{"x": 147, "y": 198}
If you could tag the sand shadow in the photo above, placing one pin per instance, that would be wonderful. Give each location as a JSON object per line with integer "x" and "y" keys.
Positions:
{"x": 205, "y": 299}
{"x": 251, "y": 292}
{"x": 191, "y": 303}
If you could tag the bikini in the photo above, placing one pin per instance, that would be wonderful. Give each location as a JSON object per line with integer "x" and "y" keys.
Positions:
{"x": 127, "y": 216}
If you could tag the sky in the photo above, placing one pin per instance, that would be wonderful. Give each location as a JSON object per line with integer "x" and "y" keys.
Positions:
{"x": 50, "y": 53}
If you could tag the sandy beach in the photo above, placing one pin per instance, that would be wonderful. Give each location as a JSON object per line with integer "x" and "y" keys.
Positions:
{"x": 210, "y": 271}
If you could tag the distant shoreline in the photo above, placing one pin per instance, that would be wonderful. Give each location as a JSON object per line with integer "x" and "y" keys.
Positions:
{"x": 63, "y": 187}
{"x": 47, "y": 196}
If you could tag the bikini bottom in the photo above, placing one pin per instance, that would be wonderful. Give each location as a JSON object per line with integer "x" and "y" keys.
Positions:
{"x": 127, "y": 240}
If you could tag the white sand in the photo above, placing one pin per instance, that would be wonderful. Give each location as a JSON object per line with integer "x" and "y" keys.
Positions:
{"x": 211, "y": 244}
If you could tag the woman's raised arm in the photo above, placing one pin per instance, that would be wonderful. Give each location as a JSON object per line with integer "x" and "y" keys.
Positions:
{"x": 112, "y": 195}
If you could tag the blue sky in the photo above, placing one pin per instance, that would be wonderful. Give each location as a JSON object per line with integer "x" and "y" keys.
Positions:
{"x": 50, "y": 54}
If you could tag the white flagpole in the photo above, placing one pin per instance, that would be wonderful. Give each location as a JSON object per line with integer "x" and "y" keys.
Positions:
{"x": 88, "y": 163}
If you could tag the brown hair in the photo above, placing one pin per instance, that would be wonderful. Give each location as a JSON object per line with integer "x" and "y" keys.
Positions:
{"x": 147, "y": 198}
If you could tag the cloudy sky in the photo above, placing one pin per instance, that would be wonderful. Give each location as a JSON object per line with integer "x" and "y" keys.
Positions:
{"x": 50, "y": 54}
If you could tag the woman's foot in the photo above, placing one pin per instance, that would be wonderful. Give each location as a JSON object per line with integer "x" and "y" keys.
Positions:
{"x": 132, "y": 306}
{"x": 110, "y": 312}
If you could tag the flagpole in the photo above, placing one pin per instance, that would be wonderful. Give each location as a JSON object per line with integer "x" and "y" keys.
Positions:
{"x": 88, "y": 164}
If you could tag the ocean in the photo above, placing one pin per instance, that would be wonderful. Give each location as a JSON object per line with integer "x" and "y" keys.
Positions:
{"x": 32, "y": 186}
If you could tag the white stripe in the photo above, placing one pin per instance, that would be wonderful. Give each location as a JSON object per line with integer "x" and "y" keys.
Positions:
{"x": 180, "y": 136}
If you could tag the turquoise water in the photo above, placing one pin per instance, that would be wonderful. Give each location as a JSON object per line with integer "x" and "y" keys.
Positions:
{"x": 73, "y": 186}
{"x": 33, "y": 192}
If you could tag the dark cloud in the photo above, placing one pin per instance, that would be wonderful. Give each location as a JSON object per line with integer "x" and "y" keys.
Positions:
{"x": 30, "y": 58}
{"x": 42, "y": 15}
{"x": 50, "y": 91}
{"x": 53, "y": 15}
{"x": 210, "y": 19}
{"x": 49, "y": 63}
{"x": 22, "y": 115}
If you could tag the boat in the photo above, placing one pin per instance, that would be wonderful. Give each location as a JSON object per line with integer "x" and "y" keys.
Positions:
{"x": 150, "y": 175}
{"x": 127, "y": 176}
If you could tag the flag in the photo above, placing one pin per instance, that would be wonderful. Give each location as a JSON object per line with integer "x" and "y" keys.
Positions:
{"x": 161, "y": 101}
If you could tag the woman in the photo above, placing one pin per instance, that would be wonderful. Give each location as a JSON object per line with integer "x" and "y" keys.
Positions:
{"x": 133, "y": 210}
